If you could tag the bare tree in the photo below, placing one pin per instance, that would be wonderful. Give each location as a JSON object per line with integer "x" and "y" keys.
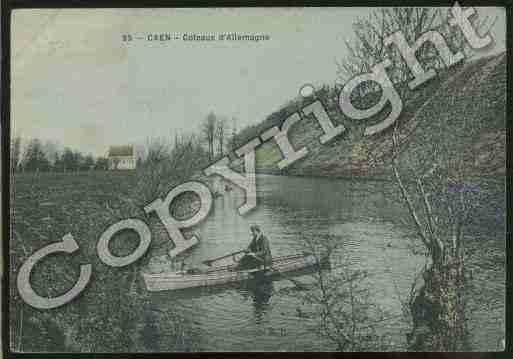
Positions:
{"x": 455, "y": 39}
{"x": 16, "y": 154}
{"x": 167, "y": 165}
{"x": 438, "y": 202}
{"x": 340, "y": 299}
{"x": 208, "y": 130}
{"x": 221, "y": 132}
{"x": 34, "y": 157}
{"x": 369, "y": 49}
{"x": 157, "y": 150}
{"x": 233, "y": 137}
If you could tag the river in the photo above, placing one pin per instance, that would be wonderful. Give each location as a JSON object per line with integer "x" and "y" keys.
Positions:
{"x": 371, "y": 226}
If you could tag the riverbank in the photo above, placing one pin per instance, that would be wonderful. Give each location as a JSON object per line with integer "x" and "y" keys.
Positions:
{"x": 45, "y": 207}
{"x": 373, "y": 237}
{"x": 356, "y": 210}
{"x": 472, "y": 93}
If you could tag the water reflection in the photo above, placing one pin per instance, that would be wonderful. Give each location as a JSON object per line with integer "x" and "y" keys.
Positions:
{"x": 373, "y": 238}
{"x": 150, "y": 331}
{"x": 260, "y": 290}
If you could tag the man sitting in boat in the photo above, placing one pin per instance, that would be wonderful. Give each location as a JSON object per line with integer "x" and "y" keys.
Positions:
{"x": 258, "y": 252}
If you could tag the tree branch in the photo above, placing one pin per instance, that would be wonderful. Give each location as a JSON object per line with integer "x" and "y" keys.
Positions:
{"x": 406, "y": 197}
{"x": 429, "y": 215}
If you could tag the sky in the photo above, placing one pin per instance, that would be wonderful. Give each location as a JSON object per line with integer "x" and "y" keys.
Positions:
{"x": 74, "y": 80}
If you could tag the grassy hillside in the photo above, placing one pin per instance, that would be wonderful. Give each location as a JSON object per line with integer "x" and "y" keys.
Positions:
{"x": 472, "y": 94}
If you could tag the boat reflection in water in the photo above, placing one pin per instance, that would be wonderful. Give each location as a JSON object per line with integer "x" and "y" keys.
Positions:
{"x": 194, "y": 313}
{"x": 260, "y": 290}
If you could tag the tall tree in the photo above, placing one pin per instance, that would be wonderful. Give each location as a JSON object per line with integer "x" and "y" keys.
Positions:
{"x": 78, "y": 160}
{"x": 221, "y": 132}
{"x": 433, "y": 185}
{"x": 88, "y": 162}
{"x": 157, "y": 150}
{"x": 35, "y": 159}
{"x": 15, "y": 153}
{"x": 50, "y": 148}
{"x": 58, "y": 164}
{"x": 68, "y": 160}
{"x": 233, "y": 137}
{"x": 368, "y": 48}
{"x": 208, "y": 129}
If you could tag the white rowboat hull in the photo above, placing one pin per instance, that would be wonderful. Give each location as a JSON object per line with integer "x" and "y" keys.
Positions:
{"x": 223, "y": 275}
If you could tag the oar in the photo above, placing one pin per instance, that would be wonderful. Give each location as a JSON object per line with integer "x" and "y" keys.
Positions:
{"x": 296, "y": 282}
{"x": 208, "y": 262}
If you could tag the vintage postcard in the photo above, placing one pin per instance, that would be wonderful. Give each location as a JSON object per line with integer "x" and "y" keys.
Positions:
{"x": 257, "y": 179}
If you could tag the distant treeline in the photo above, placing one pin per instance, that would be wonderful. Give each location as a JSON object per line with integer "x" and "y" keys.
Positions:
{"x": 47, "y": 157}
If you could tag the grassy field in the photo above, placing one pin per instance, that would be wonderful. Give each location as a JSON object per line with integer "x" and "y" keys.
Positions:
{"x": 46, "y": 206}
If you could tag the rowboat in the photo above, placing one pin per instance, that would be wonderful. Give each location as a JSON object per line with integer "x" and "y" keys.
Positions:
{"x": 218, "y": 275}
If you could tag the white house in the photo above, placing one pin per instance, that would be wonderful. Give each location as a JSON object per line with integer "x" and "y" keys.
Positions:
{"x": 122, "y": 158}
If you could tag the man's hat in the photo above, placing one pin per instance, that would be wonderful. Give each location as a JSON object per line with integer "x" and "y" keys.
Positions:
{"x": 255, "y": 227}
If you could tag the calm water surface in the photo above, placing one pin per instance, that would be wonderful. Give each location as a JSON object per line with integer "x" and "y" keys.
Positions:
{"x": 374, "y": 238}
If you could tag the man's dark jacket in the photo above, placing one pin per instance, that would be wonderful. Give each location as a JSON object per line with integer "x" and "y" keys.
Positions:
{"x": 260, "y": 246}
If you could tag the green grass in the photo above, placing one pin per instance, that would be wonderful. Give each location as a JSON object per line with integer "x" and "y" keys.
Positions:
{"x": 45, "y": 207}
{"x": 474, "y": 92}
{"x": 107, "y": 315}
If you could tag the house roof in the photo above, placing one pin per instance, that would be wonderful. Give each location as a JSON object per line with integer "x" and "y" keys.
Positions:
{"x": 121, "y": 151}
